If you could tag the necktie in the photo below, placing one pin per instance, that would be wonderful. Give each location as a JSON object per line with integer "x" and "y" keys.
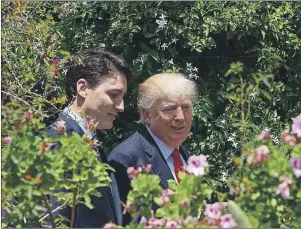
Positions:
{"x": 177, "y": 162}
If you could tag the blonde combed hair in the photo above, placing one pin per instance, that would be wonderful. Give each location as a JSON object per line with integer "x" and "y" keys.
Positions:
{"x": 162, "y": 86}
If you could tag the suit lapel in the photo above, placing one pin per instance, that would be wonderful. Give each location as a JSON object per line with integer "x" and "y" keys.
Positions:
{"x": 184, "y": 153}
{"x": 156, "y": 159}
{"x": 115, "y": 200}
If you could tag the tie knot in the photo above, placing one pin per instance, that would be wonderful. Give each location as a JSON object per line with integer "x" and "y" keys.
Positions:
{"x": 175, "y": 153}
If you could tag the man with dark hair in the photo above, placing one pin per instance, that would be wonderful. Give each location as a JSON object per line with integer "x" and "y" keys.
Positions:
{"x": 96, "y": 82}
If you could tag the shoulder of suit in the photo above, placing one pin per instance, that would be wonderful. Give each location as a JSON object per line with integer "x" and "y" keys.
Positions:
{"x": 132, "y": 145}
{"x": 71, "y": 126}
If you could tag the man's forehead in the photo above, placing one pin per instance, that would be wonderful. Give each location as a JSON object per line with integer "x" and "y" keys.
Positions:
{"x": 175, "y": 100}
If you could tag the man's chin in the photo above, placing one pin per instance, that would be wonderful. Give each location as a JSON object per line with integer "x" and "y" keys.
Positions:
{"x": 106, "y": 126}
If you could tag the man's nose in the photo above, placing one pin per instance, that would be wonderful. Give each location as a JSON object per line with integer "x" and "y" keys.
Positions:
{"x": 179, "y": 114}
{"x": 120, "y": 106}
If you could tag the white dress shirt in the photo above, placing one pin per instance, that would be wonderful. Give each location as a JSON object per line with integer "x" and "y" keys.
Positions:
{"x": 80, "y": 121}
{"x": 166, "y": 151}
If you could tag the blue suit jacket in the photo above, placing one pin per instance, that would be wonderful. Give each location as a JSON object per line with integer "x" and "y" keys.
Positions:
{"x": 139, "y": 149}
{"x": 106, "y": 208}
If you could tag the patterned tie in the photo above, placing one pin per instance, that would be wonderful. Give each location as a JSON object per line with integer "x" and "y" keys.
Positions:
{"x": 177, "y": 162}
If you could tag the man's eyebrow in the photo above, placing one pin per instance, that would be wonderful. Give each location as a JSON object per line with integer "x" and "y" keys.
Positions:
{"x": 120, "y": 91}
{"x": 169, "y": 106}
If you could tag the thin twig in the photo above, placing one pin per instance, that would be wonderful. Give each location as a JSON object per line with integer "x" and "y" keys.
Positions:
{"x": 30, "y": 15}
{"x": 73, "y": 209}
{"x": 58, "y": 208}
{"x": 23, "y": 101}
{"x": 49, "y": 213}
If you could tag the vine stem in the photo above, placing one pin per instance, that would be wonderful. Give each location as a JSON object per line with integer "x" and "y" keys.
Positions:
{"x": 49, "y": 212}
{"x": 73, "y": 209}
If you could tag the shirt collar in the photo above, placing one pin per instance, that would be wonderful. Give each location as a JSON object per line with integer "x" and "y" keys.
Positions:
{"x": 165, "y": 149}
{"x": 80, "y": 121}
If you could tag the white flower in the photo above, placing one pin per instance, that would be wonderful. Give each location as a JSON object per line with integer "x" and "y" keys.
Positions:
{"x": 161, "y": 23}
{"x": 162, "y": 17}
{"x": 233, "y": 134}
{"x": 224, "y": 176}
{"x": 193, "y": 76}
{"x": 164, "y": 46}
{"x": 230, "y": 139}
{"x": 195, "y": 69}
{"x": 174, "y": 40}
{"x": 234, "y": 144}
{"x": 170, "y": 61}
{"x": 253, "y": 95}
{"x": 211, "y": 146}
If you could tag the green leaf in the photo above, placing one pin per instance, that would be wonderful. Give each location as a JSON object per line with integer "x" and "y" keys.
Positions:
{"x": 154, "y": 54}
{"x": 240, "y": 218}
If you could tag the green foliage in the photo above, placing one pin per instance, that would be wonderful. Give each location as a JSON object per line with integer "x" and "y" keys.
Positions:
{"x": 30, "y": 171}
{"x": 243, "y": 56}
{"x": 30, "y": 43}
{"x": 254, "y": 185}
{"x": 202, "y": 41}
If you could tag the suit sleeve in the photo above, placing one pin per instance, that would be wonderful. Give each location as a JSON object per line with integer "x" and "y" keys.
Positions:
{"x": 121, "y": 161}
{"x": 56, "y": 207}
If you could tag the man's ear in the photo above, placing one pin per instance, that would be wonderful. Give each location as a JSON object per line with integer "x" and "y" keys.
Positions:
{"x": 146, "y": 116}
{"x": 81, "y": 87}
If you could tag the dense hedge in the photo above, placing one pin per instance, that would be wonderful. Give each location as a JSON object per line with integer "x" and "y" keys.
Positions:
{"x": 200, "y": 39}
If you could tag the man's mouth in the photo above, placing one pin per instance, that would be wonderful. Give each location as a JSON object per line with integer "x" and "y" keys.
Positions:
{"x": 178, "y": 127}
{"x": 113, "y": 115}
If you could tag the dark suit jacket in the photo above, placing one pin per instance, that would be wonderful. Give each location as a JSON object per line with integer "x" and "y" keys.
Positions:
{"x": 106, "y": 208}
{"x": 139, "y": 149}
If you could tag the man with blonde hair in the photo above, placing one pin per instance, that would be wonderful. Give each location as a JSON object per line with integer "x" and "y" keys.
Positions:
{"x": 165, "y": 105}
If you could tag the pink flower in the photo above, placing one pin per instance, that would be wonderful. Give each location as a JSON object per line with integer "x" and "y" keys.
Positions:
{"x": 190, "y": 218}
{"x": 56, "y": 71}
{"x": 167, "y": 192}
{"x": 90, "y": 125}
{"x": 28, "y": 114}
{"x": 60, "y": 126}
{"x": 196, "y": 165}
{"x": 296, "y": 165}
{"x": 227, "y": 221}
{"x": 8, "y": 140}
{"x": 109, "y": 225}
{"x": 147, "y": 168}
{"x": 56, "y": 61}
{"x": 44, "y": 146}
{"x": 164, "y": 198}
{"x": 284, "y": 187}
{"x": 262, "y": 152}
{"x": 185, "y": 203}
{"x": 132, "y": 172}
{"x": 155, "y": 223}
{"x": 143, "y": 220}
{"x": 296, "y": 127}
{"x": 264, "y": 135}
{"x": 289, "y": 138}
{"x": 171, "y": 224}
{"x": 213, "y": 212}
{"x": 43, "y": 56}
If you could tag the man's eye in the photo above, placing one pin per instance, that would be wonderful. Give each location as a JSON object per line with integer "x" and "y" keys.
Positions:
{"x": 113, "y": 96}
{"x": 185, "y": 108}
{"x": 169, "y": 109}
